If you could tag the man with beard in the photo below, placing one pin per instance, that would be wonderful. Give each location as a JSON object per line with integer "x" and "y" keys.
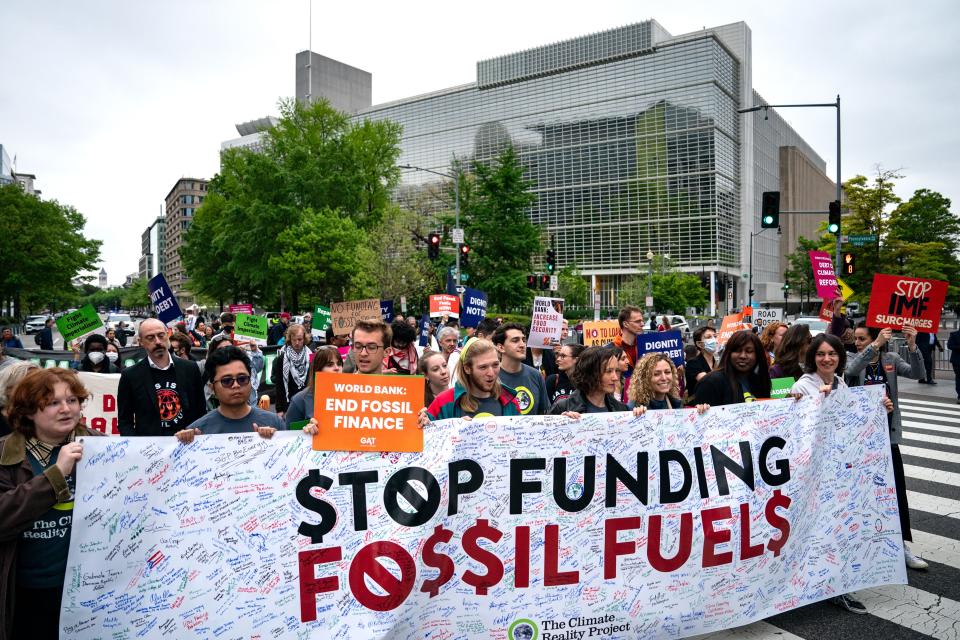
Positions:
{"x": 161, "y": 394}
{"x": 478, "y": 392}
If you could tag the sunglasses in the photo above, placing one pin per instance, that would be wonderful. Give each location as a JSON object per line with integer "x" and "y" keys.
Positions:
{"x": 230, "y": 381}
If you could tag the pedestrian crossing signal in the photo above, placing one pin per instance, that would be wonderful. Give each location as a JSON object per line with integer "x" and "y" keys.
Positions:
{"x": 848, "y": 265}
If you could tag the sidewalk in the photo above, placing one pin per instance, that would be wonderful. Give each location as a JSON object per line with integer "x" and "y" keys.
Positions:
{"x": 943, "y": 391}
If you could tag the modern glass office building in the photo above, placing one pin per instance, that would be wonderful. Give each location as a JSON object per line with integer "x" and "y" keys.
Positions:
{"x": 634, "y": 145}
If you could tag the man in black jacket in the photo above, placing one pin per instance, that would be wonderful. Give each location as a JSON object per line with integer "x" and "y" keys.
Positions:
{"x": 161, "y": 394}
{"x": 953, "y": 343}
{"x": 45, "y": 337}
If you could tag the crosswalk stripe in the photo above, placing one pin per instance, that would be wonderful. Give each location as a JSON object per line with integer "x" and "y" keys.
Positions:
{"x": 926, "y": 408}
{"x": 914, "y": 609}
{"x": 933, "y": 475}
{"x": 929, "y": 426}
{"x": 930, "y": 453}
{"x": 934, "y": 504}
{"x": 757, "y": 631}
{"x": 930, "y": 546}
{"x": 913, "y": 435}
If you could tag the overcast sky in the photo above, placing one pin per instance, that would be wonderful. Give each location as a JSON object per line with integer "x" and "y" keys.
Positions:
{"x": 109, "y": 103}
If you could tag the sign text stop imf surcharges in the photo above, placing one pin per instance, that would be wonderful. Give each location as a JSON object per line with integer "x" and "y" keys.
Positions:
{"x": 370, "y": 412}
{"x": 650, "y": 478}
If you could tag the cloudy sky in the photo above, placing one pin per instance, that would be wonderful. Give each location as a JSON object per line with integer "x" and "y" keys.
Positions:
{"x": 110, "y": 102}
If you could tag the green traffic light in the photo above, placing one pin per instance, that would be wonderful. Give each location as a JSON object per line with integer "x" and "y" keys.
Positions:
{"x": 767, "y": 219}
{"x": 833, "y": 228}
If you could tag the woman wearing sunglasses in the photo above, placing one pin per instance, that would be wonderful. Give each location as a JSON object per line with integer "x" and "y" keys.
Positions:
{"x": 227, "y": 372}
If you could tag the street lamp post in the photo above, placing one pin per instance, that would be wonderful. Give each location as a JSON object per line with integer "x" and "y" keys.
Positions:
{"x": 750, "y": 271}
{"x": 456, "y": 190}
{"x": 834, "y": 105}
{"x": 650, "y": 280}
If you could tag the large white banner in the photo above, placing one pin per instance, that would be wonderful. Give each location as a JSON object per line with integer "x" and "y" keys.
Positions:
{"x": 667, "y": 525}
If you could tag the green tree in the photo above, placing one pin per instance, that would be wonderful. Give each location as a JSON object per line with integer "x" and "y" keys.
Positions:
{"x": 573, "y": 288}
{"x": 317, "y": 160}
{"x": 326, "y": 253}
{"x": 799, "y": 271}
{"x": 43, "y": 249}
{"x": 400, "y": 266}
{"x": 499, "y": 232}
{"x": 136, "y": 295}
{"x": 924, "y": 237}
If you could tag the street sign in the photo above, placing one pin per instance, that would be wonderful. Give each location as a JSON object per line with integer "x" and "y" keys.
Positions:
{"x": 461, "y": 289}
{"x": 554, "y": 283}
{"x": 649, "y": 301}
{"x": 457, "y": 236}
{"x": 859, "y": 241}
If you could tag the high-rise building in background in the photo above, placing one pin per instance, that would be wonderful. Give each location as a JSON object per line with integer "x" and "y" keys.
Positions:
{"x": 633, "y": 143}
{"x": 102, "y": 280}
{"x": 152, "y": 249}
{"x": 182, "y": 202}
{"x": 6, "y": 166}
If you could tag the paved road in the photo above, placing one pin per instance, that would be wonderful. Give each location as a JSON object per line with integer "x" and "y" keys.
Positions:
{"x": 929, "y": 606}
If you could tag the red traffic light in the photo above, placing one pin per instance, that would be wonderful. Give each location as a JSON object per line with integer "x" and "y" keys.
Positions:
{"x": 464, "y": 249}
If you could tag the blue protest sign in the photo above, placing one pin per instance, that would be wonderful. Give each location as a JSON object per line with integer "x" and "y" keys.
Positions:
{"x": 474, "y": 307}
{"x": 386, "y": 310}
{"x": 425, "y": 329}
{"x": 668, "y": 342}
{"x": 164, "y": 302}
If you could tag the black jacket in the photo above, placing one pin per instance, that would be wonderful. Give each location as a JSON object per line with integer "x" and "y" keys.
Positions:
{"x": 45, "y": 339}
{"x": 715, "y": 390}
{"x": 953, "y": 343}
{"x": 137, "y": 410}
{"x": 548, "y": 366}
{"x": 576, "y": 402}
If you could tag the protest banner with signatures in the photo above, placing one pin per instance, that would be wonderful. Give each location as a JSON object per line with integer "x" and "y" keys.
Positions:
{"x": 666, "y": 525}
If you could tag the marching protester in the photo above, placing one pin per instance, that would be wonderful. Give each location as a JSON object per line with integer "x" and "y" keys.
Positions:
{"x": 771, "y": 338}
{"x": 559, "y": 385}
{"x": 741, "y": 376}
{"x": 326, "y": 358}
{"x": 113, "y": 355}
{"x": 792, "y": 352}
{"x": 10, "y": 376}
{"x": 656, "y": 384}
{"x": 278, "y": 330}
{"x": 94, "y": 356}
{"x": 161, "y": 394}
{"x": 9, "y": 340}
{"x": 543, "y": 360}
{"x": 401, "y": 355}
{"x": 447, "y": 339}
{"x": 874, "y": 364}
{"x": 227, "y": 372}
{"x": 181, "y": 345}
{"x": 953, "y": 343}
{"x": 370, "y": 338}
{"x": 705, "y": 340}
{"x": 291, "y": 366}
{"x": 121, "y": 333}
{"x": 37, "y": 482}
{"x": 595, "y": 376}
{"x": 524, "y": 380}
{"x": 111, "y": 335}
{"x": 45, "y": 337}
{"x": 436, "y": 375}
{"x": 477, "y": 392}
{"x": 228, "y": 320}
{"x": 630, "y": 320}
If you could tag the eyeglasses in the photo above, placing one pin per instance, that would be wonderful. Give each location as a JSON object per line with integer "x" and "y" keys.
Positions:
{"x": 230, "y": 381}
{"x": 373, "y": 347}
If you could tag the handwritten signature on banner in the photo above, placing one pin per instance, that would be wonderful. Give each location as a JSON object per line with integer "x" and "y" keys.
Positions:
{"x": 509, "y": 527}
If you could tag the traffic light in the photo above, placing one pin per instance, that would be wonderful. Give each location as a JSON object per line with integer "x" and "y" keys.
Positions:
{"x": 770, "y": 212}
{"x": 544, "y": 282}
{"x": 464, "y": 254}
{"x": 848, "y": 266}
{"x": 551, "y": 260}
{"x": 833, "y": 226}
{"x": 433, "y": 246}
{"x": 531, "y": 281}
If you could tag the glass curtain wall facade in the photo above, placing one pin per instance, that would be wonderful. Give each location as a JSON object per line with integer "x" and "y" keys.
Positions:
{"x": 631, "y": 138}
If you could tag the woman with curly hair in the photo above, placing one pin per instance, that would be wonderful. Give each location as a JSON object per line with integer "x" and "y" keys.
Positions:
{"x": 656, "y": 384}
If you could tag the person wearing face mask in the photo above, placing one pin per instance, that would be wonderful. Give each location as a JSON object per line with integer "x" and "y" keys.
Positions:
{"x": 742, "y": 375}
{"x": 95, "y": 358}
{"x": 705, "y": 339}
{"x": 113, "y": 356}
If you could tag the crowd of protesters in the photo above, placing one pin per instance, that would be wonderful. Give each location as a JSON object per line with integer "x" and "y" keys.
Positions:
{"x": 491, "y": 371}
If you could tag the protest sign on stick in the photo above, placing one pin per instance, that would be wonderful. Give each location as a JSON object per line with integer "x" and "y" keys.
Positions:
{"x": 730, "y": 325}
{"x": 164, "y": 302}
{"x": 546, "y": 325}
{"x": 444, "y": 304}
{"x": 79, "y": 323}
{"x": 343, "y": 315}
{"x": 251, "y": 328}
{"x": 474, "y": 307}
{"x": 899, "y": 301}
{"x": 668, "y": 342}
{"x": 824, "y": 278}
{"x": 600, "y": 332}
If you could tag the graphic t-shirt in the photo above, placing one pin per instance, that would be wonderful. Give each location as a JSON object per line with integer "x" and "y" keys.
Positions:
{"x": 531, "y": 390}
{"x": 745, "y": 388}
{"x": 486, "y": 408}
{"x": 559, "y": 387}
{"x": 169, "y": 398}
{"x": 42, "y": 556}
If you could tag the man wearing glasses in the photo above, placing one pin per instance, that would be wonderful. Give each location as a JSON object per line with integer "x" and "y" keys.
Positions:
{"x": 228, "y": 373}
{"x": 630, "y": 320}
{"x": 370, "y": 339}
{"x": 161, "y": 394}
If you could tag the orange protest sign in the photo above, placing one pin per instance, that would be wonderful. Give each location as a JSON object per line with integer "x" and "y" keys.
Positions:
{"x": 600, "y": 332}
{"x": 367, "y": 413}
{"x": 730, "y": 325}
